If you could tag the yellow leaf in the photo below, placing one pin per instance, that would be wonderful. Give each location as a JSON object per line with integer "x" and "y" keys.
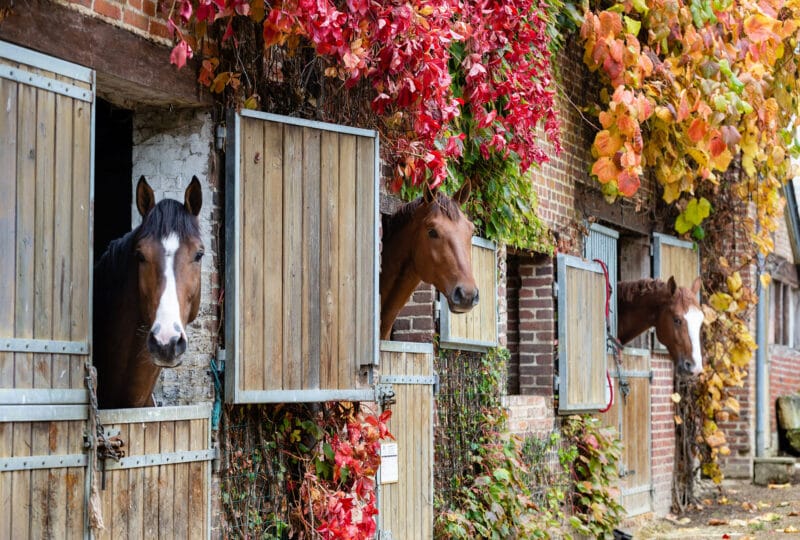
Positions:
{"x": 678, "y": 420}
{"x": 720, "y": 301}
{"x": 606, "y": 143}
{"x": 734, "y": 282}
{"x": 722, "y": 161}
{"x": 766, "y": 279}
{"x": 675, "y": 397}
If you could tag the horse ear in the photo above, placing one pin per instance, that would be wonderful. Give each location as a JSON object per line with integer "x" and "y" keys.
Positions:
{"x": 462, "y": 195}
{"x": 145, "y": 199}
{"x": 428, "y": 193}
{"x": 698, "y": 282}
{"x": 672, "y": 285}
{"x": 193, "y": 198}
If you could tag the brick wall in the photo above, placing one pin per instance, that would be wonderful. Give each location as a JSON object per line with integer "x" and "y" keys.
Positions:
{"x": 415, "y": 321}
{"x": 143, "y": 17}
{"x": 784, "y": 379}
{"x": 169, "y": 147}
{"x": 663, "y": 431}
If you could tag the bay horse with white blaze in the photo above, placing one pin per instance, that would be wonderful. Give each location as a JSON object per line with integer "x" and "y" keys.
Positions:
{"x": 428, "y": 239}
{"x": 675, "y": 313}
{"x": 146, "y": 290}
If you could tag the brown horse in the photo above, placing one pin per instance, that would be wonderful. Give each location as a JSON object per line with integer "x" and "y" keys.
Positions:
{"x": 428, "y": 239}
{"x": 146, "y": 290}
{"x": 675, "y": 313}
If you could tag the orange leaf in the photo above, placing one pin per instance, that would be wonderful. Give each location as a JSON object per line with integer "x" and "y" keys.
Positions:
{"x": 610, "y": 24}
{"x": 683, "y": 108}
{"x": 717, "y": 145}
{"x": 759, "y": 27}
{"x": 607, "y": 144}
{"x": 605, "y": 170}
{"x": 628, "y": 183}
{"x": 697, "y": 130}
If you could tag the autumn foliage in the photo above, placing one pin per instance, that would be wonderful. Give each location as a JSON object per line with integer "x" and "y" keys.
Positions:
{"x": 404, "y": 51}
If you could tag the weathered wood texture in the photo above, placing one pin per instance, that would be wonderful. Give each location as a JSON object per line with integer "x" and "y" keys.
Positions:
{"x": 307, "y": 260}
{"x": 583, "y": 337}
{"x": 170, "y": 500}
{"x": 45, "y": 156}
{"x": 478, "y": 326}
{"x": 406, "y": 507}
{"x": 680, "y": 262}
{"x": 42, "y": 503}
{"x": 631, "y": 417}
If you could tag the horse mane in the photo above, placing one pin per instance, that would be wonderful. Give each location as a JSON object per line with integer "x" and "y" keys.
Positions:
{"x": 403, "y": 216}
{"x": 166, "y": 217}
{"x": 631, "y": 291}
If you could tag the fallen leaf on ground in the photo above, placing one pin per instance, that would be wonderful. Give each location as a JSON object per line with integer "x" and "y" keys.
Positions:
{"x": 769, "y": 516}
{"x": 723, "y": 500}
{"x": 782, "y": 504}
{"x": 791, "y": 529}
{"x": 738, "y": 523}
{"x": 779, "y": 486}
{"x": 761, "y": 505}
{"x": 715, "y": 521}
{"x": 747, "y": 505}
{"x": 793, "y": 513}
{"x": 707, "y": 502}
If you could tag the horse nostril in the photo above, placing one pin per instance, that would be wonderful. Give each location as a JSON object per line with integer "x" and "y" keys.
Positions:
{"x": 458, "y": 295}
{"x": 179, "y": 345}
{"x": 476, "y": 297}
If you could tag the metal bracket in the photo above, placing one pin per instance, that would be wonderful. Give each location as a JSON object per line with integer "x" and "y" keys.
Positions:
{"x": 385, "y": 535}
{"x": 384, "y": 394}
{"x": 409, "y": 379}
{"x": 25, "y": 463}
{"x": 110, "y": 432}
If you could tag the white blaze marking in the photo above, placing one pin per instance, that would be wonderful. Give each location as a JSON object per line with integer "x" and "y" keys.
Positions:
{"x": 168, "y": 313}
{"x": 694, "y": 320}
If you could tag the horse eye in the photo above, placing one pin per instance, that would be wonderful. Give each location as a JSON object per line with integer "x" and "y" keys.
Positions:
{"x": 140, "y": 256}
{"x": 199, "y": 255}
{"x": 432, "y": 233}
{"x": 677, "y": 321}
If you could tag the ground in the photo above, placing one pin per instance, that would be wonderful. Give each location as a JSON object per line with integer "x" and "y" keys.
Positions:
{"x": 737, "y": 510}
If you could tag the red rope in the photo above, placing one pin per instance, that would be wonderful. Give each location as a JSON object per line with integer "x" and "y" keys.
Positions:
{"x": 611, "y": 389}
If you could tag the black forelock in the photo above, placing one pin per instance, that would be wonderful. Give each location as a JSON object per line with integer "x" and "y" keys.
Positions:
{"x": 168, "y": 216}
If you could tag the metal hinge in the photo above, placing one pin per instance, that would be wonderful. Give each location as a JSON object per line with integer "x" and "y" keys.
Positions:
{"x": 556, "y": 383}
{"x": 384, "y": 394}
{"x": 385, "y": 535}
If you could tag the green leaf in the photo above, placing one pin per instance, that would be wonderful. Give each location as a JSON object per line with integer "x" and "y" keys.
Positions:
{"x": 502, "y": 475}
{"x": 682, "y": 225}
{"x": 632, "y": 26}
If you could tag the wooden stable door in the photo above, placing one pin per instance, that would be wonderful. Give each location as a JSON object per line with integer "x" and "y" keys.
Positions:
{"x": 630, "y": 415}
{"x": 45, "y": 269}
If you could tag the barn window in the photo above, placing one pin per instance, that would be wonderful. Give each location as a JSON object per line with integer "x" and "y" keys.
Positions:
{"x": 601, "y": 244}
{"x": 674, "y": 258}
{"x": 785, "y": 301}
{"x": 581, "y": 335}
{"x": 475, "y": 330}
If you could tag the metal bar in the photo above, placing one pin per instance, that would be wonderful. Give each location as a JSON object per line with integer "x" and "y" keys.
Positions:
{"x": 43, "y": 413}
{"x": 408, "y": 379}
{"x": 54, "y": 396}
{"x": 604, "y": 230}
{"x": 302, "y": 122}
{"x": 672, "y": 241}
{"x": 406, "y": 347}
{"x": 644, "y": 374}
{"x": 466, "y": 344}
{"x": 154, "y": 460}
{"x": 232, "y": 237}
{"x": 377, "y": 251}
{"x": 484, "y": 243}
{"x": 43, "y": 346}
{"x": 48, "y": 63}
{"x": 304, "y": 396}
{"x": 634, "y": 491}
{"x": 155, "y": 414}
{"x": 25, "y": 463}
{"x": 32, "y": 79}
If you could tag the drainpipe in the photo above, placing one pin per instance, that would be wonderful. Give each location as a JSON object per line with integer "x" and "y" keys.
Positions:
{"x": 761, "y": 363}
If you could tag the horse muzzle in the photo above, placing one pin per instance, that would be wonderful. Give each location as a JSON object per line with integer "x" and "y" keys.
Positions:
{"x": 687, "y": 367}
{"x": 463, "y": 299}
{"x": 166, "y": 350}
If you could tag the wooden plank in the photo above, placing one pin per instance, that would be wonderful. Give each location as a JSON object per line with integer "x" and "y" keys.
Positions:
{"x": 310, "y": 332}
{"x": 40, "y": 489}
{"x": 365, "y": 251}
{"x": 6, "y": 447}
{"x": 329, "y": 248}
{"x": 197, "y": 496}
{"x": 347, "y": 362}
{"x": 26, "y": 199}
{"x": 136, "y": 447}
{"x": 62, "y": 244}
{"x": 180, "y": 505}
{"x": 21, "y": 482}
{"x": 43, "y": 231}
{"x": 56, "y": 510}
{"x": 119, "y": 493}
{"x": 251, "y": 363}
{"x": 81, "y": 247}
{"x": 166, "y": 484}
{"x": 292, "y": 256}
{"x": 74, "y": 481}
{"x": 273, "y": 256}
{"x": 152, "y": 488}
{"x": 8, "y": 231}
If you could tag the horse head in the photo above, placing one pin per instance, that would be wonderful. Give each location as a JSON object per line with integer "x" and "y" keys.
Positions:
{"x": 678, "y": 327}
{"x": 443, "y": 253}
{"x": 168, "y": 252}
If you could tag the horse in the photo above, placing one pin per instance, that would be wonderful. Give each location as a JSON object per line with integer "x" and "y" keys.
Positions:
{"x": 675, "y": 313}
{"x": 146, "y": 290}
{"x": 428, "y": 239}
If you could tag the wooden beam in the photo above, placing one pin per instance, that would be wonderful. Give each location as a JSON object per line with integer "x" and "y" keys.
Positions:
{"x": 591, "y": 202}
{"x": 130, "y": 69}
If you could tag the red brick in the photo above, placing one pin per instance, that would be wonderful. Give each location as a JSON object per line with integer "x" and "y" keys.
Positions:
{"x": 158, "y": 29}
{"x": 149, "y": 7}
{"x": 137, "y": 20}
{"x": 107, "y": 9}
{"x": 135, "y": 4}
